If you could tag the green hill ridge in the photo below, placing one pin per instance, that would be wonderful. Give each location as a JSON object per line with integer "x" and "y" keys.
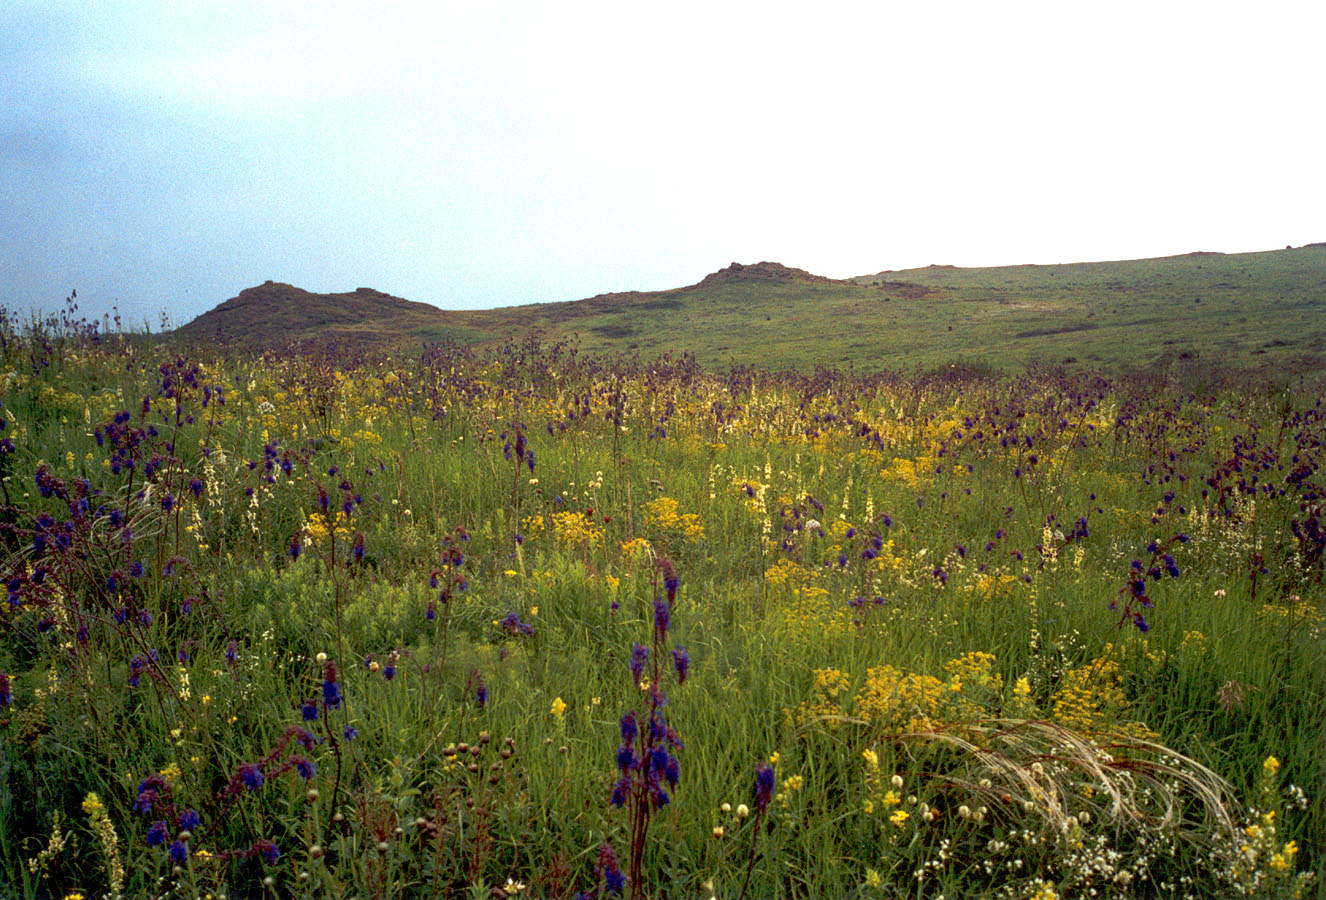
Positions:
{"x": 1264, "y": 309}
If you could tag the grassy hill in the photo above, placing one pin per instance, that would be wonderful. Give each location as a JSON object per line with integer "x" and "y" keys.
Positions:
{"x": 274, "y": 312}
{"x": 1247, "y": 309}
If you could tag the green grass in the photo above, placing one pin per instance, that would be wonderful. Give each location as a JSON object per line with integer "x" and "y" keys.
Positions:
{"x": 785, "y": 661}
{"x": 1183, "y": 313}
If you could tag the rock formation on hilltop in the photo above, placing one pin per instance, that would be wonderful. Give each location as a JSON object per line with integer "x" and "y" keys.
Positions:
{"x": 760, "y": 271}
{"x": 274, "y": 312}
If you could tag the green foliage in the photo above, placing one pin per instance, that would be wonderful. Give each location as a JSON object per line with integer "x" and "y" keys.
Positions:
{"x": 356, "y": 567}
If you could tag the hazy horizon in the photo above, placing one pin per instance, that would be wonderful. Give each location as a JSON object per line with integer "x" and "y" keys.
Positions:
{"x": 154, "y": 321}
{"x": 166, "y": 156}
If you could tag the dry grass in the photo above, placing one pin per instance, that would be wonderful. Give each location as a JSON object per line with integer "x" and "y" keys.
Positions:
{"x": 1046, "y": 770}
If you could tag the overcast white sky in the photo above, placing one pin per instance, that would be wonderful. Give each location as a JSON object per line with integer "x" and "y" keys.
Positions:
{"x": 167, "y": 155}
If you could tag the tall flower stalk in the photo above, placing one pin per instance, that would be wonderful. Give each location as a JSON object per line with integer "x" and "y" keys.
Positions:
{"x": 646, "y": 759}
{"x": 764, "y": 786}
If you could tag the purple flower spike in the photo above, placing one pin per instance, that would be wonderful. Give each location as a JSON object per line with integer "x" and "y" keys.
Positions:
{"x": 764, "y": 785}
{"x": 619, "y": 792}
{"x": 662, "y": 617}
{"x": 268, "y": 851}
{"x": 251, "y": 776}
{"x": 683, "y": 662}
{"x": 639, "y": 654}
{"x": 610, "y": 869}
{"x": 670, "y": 581}
{"x": 331, "y": 688}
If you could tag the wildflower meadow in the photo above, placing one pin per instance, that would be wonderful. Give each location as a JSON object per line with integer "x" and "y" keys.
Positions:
{"x": 521, "y": 622}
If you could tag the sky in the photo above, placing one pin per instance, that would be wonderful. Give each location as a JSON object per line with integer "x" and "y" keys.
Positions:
{"x": 159, "y": 157}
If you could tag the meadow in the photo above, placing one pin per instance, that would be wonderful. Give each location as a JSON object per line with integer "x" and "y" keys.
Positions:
{"x": 522, "y": 622}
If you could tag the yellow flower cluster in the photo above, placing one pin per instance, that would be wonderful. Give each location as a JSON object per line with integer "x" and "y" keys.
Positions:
{"x": 1295, "y": 612}
{"x": 822, "y": 705}
{"x": 104, "y": 829}
{"x": 882, "y": 794}
{"x": 897, "y": 701}
{"x": 974, "y": 684}
{"x": 911, "y": 472}
{"x": 317, "y": 526}
{"x": 1262, "y": 864}
{"x": 576, "y": 529}
{"x": 752, "y": 492}
{"x": 1021, "y": 706}
{"x": 989, "y": 585}
{"x": 806, "y": 603}
{"x": 662, "y": 513}
{"x": 637, "y": 548}
{"x": 362, "y": 437}
{"x": 785, "y": 571}
{"x": 1046, "y": 892}
{"x": 1194, "y": 642}
{"x": 1090, "y": 699}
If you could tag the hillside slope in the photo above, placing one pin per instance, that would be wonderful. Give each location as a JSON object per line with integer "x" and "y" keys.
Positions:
{"x": 1247, "y": 309}
{"x": 275, "y": 312}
